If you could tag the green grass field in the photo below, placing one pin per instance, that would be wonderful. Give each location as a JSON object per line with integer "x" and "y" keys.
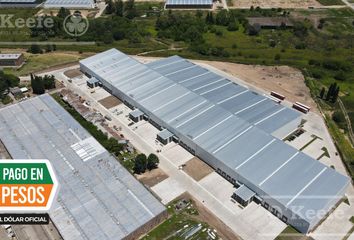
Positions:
{"x": 291, "y": 233}
{"x": 180, "y": 225}
{"x": 36, "y": 62}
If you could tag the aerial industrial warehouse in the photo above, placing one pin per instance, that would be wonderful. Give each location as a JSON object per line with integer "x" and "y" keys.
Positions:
{"x": 189, "y": 4}
{"x": 98, "y": 198}
{"x": 235, "y": 130}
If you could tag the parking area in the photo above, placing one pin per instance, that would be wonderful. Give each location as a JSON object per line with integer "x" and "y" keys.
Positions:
{"x": 168, "y": 190}
{"x": 336, "y": 226}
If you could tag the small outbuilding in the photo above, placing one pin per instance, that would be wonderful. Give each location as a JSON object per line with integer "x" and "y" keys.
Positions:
{"x": 93, "y": 82}
{"x": 189, "y": 4}
{"x": 136, "y": 115}
{"x": 16, "y": 91}
{"x": 12, "y": 60}
{"x": 243, "y": 195}
{"x": 165, "y": 136}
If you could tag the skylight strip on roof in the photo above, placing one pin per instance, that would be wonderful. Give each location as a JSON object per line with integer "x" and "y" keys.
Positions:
{"x": 306, "y": 186}
{"x": 215, "y": 88}
{"x": 187, "y": 111}
{"x": 236, "y": 95}
{"x": 232, "y": 139}
{"x": 206, "y": 85}
{"x": 158, "y": 92}
{"x": 250, "y": 106}
{"x": 224, "y": 120}
{"x": 181, "y": 70}
{"x": 191, "y": 78}
{"x": 271, "y": 115}
{"x": 280, "y": 167}
{"x": 167, "y": 64}
{"x": 172, "y": 101}
{"x": 256, "y": 153}
{"x": 190, "y": 119}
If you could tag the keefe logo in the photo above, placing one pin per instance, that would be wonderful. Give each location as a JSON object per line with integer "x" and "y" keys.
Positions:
{"x": 27, "y": 185}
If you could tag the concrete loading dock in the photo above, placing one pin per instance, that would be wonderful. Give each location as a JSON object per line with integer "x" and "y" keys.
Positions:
{"x": 233, "y": 129}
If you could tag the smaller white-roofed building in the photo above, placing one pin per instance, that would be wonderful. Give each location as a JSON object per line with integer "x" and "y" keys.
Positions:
{"x": 71, "y": 4}
{"x": 189, "y": 4}
{"x": 136, "y": 115}
{"x": 243, "y": 195}
{"x": 11, "y": 59}
{"x": 165, "y": 136}
{"x": 18, "y": 3}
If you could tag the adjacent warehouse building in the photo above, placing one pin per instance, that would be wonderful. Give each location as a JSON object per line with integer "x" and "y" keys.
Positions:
{"x": 189, "y": 4}
{"x": 235, "y": 130}
{"x": 98, "y": 197}
{"x": 18, "y": 3}
{"x": 70, "y": 4}
{"x": 11, "y": 60}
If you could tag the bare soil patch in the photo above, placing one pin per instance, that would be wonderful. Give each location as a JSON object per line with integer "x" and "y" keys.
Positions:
{"x": 197, "y": 169}
{"x": 153, "y": 177}
{"x": 275, "y": 3}
{"x": 73, "y": 73}
{"x": 110, "y": 102}
{"x": 285, "y": 80}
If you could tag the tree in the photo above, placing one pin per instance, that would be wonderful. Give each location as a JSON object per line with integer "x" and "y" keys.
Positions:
{"x": 140, "y": 163}
{"x": 253, "y": 29}
{"x": 335, "y": 94}
{"x": 210, "y": 18}
{"x": 7, "y": 81}
{"x": 331, "y": 90}
{"x": 119, "y": 8}
{"x": 35, "y": 49}
{"x": 222, "y": 18}
{"x": 199, "y": 14}
{"x": 110, "y": 7}
{"x": 63, "y": 12}
{"x": 48, "y": 81}
{"x": 130, "y": 11}
{"x": 152, "y": 161}
{"x": 233, "y": 26}
{"x": 37, "y": 85}
{"x": 322, "y": 93}
{"x": 48, "y": 48}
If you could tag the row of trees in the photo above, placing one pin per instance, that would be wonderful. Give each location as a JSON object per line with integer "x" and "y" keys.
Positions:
{"x": 40, "y": 84}
{"x": 121, "y": 9}
{"x": 143, "y": 163}
{"x": 332, "y": 93}
{"x": 6, "y": 82}
{"x": 36, "y": 49}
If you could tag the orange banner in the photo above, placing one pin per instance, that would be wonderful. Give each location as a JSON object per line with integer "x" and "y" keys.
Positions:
{"x": 25, "y": 195}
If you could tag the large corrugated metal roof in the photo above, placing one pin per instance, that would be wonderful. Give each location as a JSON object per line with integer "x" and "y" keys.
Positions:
{"x": 189, "y": 2}
{"x": 69, "y": 4}
{"x": 227, "y": 120}
{"x": 236, "y": 99}
{"x": 98, "y": 198}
